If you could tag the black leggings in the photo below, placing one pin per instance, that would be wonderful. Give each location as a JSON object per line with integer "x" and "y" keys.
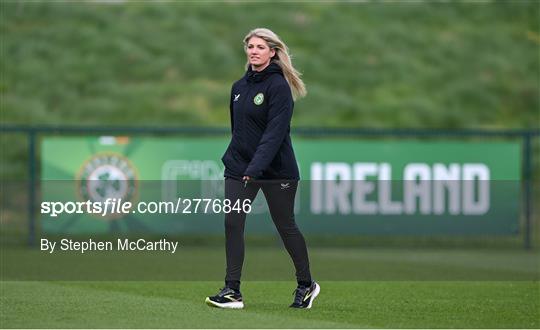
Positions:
{"x": 279, "y": 195}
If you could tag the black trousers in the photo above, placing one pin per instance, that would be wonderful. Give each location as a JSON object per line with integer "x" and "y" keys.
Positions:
{"x": 279, "y": 195}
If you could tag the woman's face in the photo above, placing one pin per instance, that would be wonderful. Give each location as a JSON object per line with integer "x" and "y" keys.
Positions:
{"x": 258, "y": 53}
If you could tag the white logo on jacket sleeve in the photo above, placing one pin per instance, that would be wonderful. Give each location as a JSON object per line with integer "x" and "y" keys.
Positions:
{"x": 236, "y": 96}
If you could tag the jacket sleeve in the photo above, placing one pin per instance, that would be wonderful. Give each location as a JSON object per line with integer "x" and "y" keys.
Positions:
{"x": 231, "y": 109}
{"x": 280, "y": 109}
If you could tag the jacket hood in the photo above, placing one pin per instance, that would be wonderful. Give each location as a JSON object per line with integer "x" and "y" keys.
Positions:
{"x": 255, "y": 76}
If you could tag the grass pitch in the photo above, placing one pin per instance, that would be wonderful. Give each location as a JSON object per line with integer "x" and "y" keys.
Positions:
{"x": 360, "y": 288}
{"x": 348, "y": 304}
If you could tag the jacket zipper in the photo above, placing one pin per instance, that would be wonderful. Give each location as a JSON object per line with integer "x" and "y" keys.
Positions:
{"x": 244, "y": 111}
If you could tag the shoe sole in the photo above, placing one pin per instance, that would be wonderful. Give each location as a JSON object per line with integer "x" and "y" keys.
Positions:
{"x": 315, "y": 294}
{"x": 231, "y": 305}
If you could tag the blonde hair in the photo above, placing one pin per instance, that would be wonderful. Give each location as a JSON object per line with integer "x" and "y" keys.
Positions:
{"x": 282, "y": 58}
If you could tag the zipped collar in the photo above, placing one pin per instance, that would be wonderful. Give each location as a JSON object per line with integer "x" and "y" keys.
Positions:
{"x": 255, "y": 76}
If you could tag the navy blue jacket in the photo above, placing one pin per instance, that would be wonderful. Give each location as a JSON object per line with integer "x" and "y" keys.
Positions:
{"x": 261, "y": 108}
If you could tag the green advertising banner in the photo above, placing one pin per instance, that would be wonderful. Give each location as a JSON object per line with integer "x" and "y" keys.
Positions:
{"x": 347, "y": 186}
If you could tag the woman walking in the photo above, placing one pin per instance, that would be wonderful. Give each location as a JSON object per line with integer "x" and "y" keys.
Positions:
{"x": 260, "y": 156}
